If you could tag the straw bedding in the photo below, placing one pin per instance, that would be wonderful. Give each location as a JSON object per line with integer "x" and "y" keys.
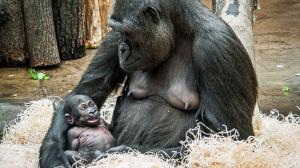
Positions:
{"x": 276, "y": 144}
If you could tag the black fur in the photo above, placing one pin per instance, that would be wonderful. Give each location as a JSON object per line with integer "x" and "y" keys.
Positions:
{"x": 166, "y": 48}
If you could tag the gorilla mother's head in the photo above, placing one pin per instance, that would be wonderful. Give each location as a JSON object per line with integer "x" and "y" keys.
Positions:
{"x": 146, "y": 33}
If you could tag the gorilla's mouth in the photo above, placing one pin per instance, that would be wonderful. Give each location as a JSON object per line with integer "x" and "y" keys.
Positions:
{"x": 93, "y": 120}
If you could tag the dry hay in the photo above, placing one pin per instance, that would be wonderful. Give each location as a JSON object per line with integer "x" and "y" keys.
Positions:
{"x": 31, "y": 125}
{"x": 17, "y": 155}
{"x": 276, "y": 144}
{"x": 133, "y": 159}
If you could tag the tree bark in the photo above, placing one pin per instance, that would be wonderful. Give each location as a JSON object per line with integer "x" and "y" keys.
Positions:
{"x": 40, "y": 33}
{"x": 239, "y": 15}
{"x": 69, "y": 18}
{"x": 104, "y": 13}
{"x": 92, "y": 23}
{"x": 12, "y": 36}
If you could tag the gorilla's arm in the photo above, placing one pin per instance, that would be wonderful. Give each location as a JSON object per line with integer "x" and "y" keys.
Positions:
{"x": 104, "y": 73}
{"x": 228, "y": 80}
{"x": 101, "y": 77}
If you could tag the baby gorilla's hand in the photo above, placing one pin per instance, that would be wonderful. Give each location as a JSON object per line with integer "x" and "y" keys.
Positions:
{"x": 118, "y": 149}
{"x": 114, "y": 150}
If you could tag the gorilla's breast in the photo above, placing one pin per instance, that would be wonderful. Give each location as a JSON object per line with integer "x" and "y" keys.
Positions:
{"x": 173, "y": 82}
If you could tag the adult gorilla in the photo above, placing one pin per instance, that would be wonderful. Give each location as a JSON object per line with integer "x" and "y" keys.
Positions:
{"x": 183, "y": 65}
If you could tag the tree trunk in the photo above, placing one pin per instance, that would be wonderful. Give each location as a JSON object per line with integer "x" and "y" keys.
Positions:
{"x": 104, "y": 13}
{"x": 92, "y": 23}
{"x": 12, "y": 36}
{"x": 40, "y": 33}
{"x": 239, "y": 15}
{"x": 70, "y": 27}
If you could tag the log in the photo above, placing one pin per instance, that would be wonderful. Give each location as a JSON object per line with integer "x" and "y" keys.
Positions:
{"x": 12, "y": 35}
{"x": 93, "y": 27}
{"x": 105, "y": 6}
{"x": 239, "y": 15}
{"x": 69, "y": 18}
{"x": 40, "y": 33}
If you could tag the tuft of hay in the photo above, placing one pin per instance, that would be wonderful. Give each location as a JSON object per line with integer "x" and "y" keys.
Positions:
{"x": 14, "y": 156}
{"x": 276, "y": 144}
{"x": 31, "y": 125}
{"x": 132, "y": 159}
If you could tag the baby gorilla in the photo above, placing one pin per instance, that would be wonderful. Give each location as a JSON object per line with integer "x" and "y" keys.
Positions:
{"x": 89, "y": 136}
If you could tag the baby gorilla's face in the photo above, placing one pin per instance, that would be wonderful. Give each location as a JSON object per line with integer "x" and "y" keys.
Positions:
{"x": 81, "y": 110}
{"x": 89, "y": 114}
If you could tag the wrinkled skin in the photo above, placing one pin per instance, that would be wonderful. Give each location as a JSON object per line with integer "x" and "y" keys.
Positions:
{"x": 89, "y": 136}
{"x": 183, "y": 65}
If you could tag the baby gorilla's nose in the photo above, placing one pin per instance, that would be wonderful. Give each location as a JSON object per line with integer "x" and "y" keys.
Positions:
{"x": 93, "y": 112}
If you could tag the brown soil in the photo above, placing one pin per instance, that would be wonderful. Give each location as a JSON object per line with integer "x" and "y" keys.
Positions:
{"x": 277, "y": 46}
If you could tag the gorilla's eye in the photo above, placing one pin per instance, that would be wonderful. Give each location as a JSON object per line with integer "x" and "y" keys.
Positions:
{"x": 91, "y": 104}
{"x": 152, "y": 14}
{"x": 83, "y": 107}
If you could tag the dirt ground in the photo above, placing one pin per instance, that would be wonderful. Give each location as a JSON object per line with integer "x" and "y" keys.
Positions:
{"x": 277, "y": 46}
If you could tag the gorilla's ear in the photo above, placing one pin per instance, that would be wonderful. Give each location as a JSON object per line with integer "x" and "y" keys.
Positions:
{"x": 69, "y": 118}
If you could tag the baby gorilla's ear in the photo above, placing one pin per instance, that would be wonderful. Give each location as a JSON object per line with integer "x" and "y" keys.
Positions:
{"x": 69, "y": 118}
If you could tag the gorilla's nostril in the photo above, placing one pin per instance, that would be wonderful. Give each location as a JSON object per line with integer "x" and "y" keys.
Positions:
{"x": 124, "y": 49}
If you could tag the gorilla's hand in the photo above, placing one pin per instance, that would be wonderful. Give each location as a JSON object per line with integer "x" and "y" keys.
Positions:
{"x": 52, "y": 156}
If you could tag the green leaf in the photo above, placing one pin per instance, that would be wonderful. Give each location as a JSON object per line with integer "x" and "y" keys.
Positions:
{"x": 46, "y": 77}
{"x": 31, "y": 71}
{"x": 285, "y": 90}
{"x": 40, "y": 76}
{"x": 37, "y": 75}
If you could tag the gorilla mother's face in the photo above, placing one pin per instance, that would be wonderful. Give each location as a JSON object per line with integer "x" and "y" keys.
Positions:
{"x": 146, "y": 33}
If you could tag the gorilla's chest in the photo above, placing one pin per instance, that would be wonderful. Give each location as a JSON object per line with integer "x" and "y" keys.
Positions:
{"x": 174, "y": 81}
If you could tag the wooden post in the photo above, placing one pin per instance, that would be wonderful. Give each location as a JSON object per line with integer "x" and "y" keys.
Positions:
{"x": 12, "y": 36}
{"x": 40, "y": 33}
{"x": 105, "y": 6}
{"x": 93, "y": 23}
{"x": 69, "y": 18}
{"x": 239, "y": 15}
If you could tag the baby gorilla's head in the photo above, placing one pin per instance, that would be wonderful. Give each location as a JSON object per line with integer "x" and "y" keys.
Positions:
{"x": 81, "y": 110}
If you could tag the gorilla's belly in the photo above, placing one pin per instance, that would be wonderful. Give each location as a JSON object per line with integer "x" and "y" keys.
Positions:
{"x": 150, "y": 122}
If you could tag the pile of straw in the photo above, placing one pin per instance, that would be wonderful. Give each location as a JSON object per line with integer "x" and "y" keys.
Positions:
{"x": 276, "y": 144}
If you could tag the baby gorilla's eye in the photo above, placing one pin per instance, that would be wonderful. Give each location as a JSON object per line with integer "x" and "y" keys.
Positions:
{"x": 91, "y": 104}
{"x": 83, "y": 107}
